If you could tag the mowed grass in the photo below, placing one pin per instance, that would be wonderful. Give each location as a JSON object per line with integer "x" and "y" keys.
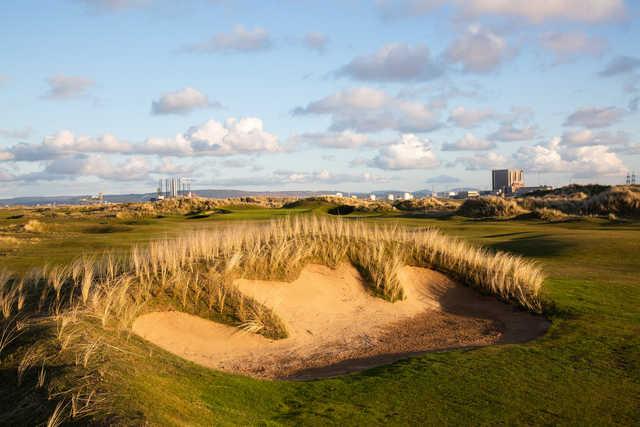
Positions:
{"x": 586, "y": 370}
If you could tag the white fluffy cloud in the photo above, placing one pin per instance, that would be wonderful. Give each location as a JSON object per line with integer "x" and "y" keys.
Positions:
{"x": 595, "y": 117}
{"x": 234, "y": 136}
{"x": 537, "y": 11}
{"x": 410, "y": 152}
{"x": 567, "y": 46}
{"x": 393, "y": 62}
{"x": 509, "y": 132}
{"x": 64, "y": 143}
{"x": 369, "y": 110}
{"x": 582, "y": 162}
{"x": 543, "y": 10}
{"x": 490, "y": 160}
{"x": 469, "y": 142}
{"x": 478, "y": 50}
{"x": 584, "y": 137}
{"x": 239, "y": 39}
{"x": 344, "y": 139}
{"x": 131, "y": 169}
{"x": 468, "y": 118}
{"x": 212, "y": 138}
{"x": 64, "y": 87}
{"x": 181, "y": 102}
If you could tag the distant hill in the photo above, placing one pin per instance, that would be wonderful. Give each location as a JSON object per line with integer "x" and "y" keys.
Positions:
{"x": 209, "y": 193}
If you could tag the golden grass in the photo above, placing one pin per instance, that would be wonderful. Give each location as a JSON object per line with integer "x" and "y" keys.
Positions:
{"x": 621, "y": 200}
{"x": 195, "y": 272}
{"x": 490, "y": 206}
{"x": 550, "y": 215}
{"x": 34, "y": 226}
{"x": 88, "y": 303}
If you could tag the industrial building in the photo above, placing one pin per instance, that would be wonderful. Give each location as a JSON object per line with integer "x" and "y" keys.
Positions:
{"x": 507, "y": 181}
{"x": 171, "y": 188}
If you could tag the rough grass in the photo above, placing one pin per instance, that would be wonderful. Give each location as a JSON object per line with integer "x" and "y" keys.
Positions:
{"x": 87, "y": 305}
{"x": 550, "y": 215}
{"x": 34, "y": 226}
{"x": 427, "y": 203}
{"x": 621, "y": 200}
{"x": 584, "y": 371}
{"x": 490, "y": 207}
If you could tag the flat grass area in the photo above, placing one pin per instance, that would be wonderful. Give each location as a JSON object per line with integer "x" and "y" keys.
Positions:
{"x": 584, "y": 371}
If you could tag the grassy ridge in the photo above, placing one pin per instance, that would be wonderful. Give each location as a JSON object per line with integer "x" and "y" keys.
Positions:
{"x": 586, "y": 370}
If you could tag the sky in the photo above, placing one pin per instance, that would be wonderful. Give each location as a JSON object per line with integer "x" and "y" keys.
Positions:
{"x": 112, "y": 95}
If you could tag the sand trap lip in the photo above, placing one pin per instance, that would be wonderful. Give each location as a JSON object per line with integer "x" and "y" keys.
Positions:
{"x": 335, "y": 326}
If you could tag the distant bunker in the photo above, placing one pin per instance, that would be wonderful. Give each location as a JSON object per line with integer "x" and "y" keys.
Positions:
{"x": 336, "y": 326}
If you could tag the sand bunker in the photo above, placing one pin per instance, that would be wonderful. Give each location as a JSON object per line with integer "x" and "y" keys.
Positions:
{"x": 335, "y": 326}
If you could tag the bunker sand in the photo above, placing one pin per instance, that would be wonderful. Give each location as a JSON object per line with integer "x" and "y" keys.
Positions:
{"x": 336, "y": 326}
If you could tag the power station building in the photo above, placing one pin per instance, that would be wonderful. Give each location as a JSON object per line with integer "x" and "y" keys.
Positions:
{"x": 507, "y": 181}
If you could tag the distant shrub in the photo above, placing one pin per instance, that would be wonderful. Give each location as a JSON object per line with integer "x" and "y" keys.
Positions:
{"x": 425, "y": 203}
{"x": 34, "y": 226}
{"x": 549, "y": 215}
{"x": 621, "y": 200}
{"x": 490, "y": 207}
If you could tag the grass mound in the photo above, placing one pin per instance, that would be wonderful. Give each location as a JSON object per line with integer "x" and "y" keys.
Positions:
{"x": 572, "y": 190}
{"x": 490, "y": 207}
{"x": 426, "y": 203}
{"x": 623, "y": 201}
{"x": 550, "y": 215}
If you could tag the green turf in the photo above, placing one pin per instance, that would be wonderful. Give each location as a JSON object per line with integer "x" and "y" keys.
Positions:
{"x": 584, "y": 371}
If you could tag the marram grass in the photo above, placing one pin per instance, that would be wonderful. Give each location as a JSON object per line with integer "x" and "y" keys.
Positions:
{"x": 89, "y": 303}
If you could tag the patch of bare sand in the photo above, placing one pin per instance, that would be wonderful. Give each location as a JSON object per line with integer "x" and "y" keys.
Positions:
{"x": 335, "y": 326}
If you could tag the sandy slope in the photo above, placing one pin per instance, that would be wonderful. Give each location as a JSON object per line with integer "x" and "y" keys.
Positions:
{"x": 336, "y": 326}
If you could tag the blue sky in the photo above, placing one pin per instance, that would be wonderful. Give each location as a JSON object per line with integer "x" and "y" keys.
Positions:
{"x": 111, "y": 95}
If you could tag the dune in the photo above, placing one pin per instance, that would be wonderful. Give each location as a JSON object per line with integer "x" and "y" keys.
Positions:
{"x": 336, "y": 326}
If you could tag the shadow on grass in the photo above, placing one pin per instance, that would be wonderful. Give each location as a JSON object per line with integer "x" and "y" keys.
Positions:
{"x": 514, "y": 233}
{"x": 24, "y": 403}
{"x": 533, "y": 246}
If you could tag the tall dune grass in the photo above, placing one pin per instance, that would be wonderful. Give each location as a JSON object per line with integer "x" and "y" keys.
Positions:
{"x": 195, "y": 272}
{"x": 87, "y": 304}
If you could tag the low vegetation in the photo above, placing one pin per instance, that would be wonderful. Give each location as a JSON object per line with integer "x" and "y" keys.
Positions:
{"x": 427, "y": 204}
{"x": 490, "y": 207}
{"x": 623, "y": 201}
{"x": 72, "y": 368}
{"x": 550, "y": 215}
{"x": 84, "y": 310}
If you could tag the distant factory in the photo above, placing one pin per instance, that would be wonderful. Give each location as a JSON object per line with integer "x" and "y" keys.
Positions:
{"x": 507, "y": 181}
{"x": 510, "y": 182}
{"x": 172, "y": 188}
{"x": 504, "y": 182}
